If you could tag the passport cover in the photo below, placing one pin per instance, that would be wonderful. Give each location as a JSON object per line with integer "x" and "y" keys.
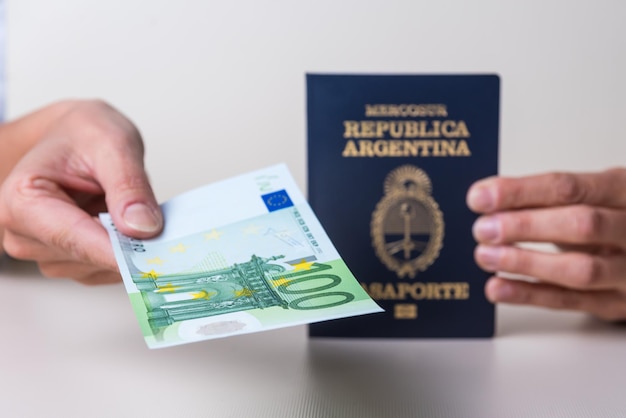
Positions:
{"x": 390, "y": 160}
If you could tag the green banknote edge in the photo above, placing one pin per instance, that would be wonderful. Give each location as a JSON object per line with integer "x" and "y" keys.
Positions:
{"x": 139, "y": 307}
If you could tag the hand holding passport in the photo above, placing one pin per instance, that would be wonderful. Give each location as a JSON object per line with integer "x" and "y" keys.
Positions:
{"x": 391, "y": 160}
{"x": 584, "y": 213}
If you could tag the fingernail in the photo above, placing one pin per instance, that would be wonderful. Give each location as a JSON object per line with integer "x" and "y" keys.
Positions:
{"x": 488, "y": 257}
{"x": 141, "y": 218}
{"x": 480, "y": 199}
{"x": 486, "y": 229}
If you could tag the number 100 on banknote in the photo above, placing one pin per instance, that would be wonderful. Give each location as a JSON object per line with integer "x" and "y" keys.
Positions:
{"x": 243, "y": 255}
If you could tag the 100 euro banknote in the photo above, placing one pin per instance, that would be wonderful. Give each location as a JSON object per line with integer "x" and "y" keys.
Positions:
{"x": 243, "y": 255}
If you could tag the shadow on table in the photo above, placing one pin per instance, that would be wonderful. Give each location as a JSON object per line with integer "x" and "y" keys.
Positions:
{"x": 383, "y": 378}
{"x": 18, "y": 268}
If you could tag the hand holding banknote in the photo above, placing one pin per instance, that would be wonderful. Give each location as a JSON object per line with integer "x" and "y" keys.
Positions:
{"x": 62, "y": 165}
{"x": 243, "y": 255}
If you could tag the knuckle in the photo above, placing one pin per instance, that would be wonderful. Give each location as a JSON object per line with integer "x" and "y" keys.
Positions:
{"x": 517, "y": 226}
{"x": 589, "y": 223}
{"x": 103, "y": 121}
{"x": 567, "y": 188}
{"x": 130, "y": 185}
{"x": 97, "y": 103}
{"x": 59, "y": 238}
{"x": 63, "y": 239}
{"x": 99, "y": 278}
{"x": 589, "y": 271}
{"x": 613, "y": 311}
{"x": 87, "y": 107}
{"x": 616, "y": 173}
{"x": 60, "y": 270}
{"x": 611, "y": 316}
{"x": 523, "y": 295}
{"x": 569, "y": 300}
{"x": 513, "y": 260}
{"x": 498, "y": 184}
{"x": 87, "y": 280}
{"x": 507, "y": 192}
{"x": 5, "y": 218}
{"x": 16, "y": 249}
{"x": 11, "y": 198}
{"x": 50, "y": 270}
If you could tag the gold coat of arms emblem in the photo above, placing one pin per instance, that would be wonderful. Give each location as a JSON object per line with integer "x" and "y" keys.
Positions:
{"x": 407, "y": 225}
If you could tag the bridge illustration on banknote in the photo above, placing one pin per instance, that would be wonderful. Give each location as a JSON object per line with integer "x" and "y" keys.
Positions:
{"x": 260, "y": 283}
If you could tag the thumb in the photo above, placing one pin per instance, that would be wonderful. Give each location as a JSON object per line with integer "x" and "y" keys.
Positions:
{"x": 129, "y": 196}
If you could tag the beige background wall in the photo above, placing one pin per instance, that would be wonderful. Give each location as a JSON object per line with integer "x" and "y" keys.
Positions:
{"x": 217, "y": 87}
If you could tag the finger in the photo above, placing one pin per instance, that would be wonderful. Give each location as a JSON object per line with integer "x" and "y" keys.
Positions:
{"x": 607, "y": 305}
{"x": 131, "y": 202}
{"x": 53, "y": 263}
{"x": 103, "y": 153}
{"x": 570, "y": 270}
{"x": 40, "y": 209}
{"x": 25, "y": 248}
{"x": 80, "y": 272}
{"x": 120, "y": 171}
{"x": 577, "y": 224}
{"x": 595, "y": 249}
{"x": 554, "y": 189}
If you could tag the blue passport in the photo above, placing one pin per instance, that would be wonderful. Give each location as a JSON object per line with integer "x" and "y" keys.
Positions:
{"x": 390, "y": 160}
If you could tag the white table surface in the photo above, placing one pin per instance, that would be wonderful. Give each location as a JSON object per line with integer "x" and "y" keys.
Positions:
{"x": 70, "y": 350}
